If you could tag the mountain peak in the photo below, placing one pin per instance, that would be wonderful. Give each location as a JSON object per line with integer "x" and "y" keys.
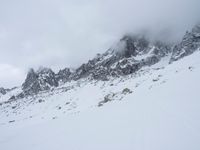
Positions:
{"x": 133, "y": 44}
{"x": 196, "y": 30}
{"x": 43, "y": 70}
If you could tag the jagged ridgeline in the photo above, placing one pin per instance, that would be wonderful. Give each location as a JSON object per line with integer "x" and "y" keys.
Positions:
{"x": 128, "y": 56}
{"x": 189, "y": 44}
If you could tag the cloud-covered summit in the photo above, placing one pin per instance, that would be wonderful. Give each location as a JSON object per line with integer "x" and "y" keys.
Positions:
{"x": 60, "y": 33}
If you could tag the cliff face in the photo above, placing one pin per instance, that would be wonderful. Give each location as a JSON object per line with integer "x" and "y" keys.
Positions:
{"x": 189, "y": 44}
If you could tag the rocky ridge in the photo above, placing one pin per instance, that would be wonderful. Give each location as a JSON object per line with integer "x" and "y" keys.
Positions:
{"x": 128, "y": 56}
{"x": 189, "y": 44}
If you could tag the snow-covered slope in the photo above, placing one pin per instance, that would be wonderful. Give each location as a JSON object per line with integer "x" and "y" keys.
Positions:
{"x": 156, "y": 108}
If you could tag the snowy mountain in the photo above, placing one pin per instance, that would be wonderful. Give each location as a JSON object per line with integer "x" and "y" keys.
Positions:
{"x": 139, "y": 94}
{"x": 130, "y": 55}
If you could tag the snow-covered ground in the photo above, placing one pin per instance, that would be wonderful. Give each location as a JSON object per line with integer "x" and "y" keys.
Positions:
{"x": 156, "y": 109}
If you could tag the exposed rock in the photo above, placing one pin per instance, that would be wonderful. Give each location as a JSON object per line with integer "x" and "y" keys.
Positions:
{"x": 54, "y": 118}
{"x": 100, "y": 73}
{"x": 134, "y": 45}
{"x": 154, "y": 80}
{"x": 63, "y": 75}
{"x": 40, "y": 100}
{"x": 127, "y": 91}
{"x": 12, "y": 98}
{"x": 11, "y": 121}
{"x": 67, "y": 103}
{"x": 107, "y": 98}
{"x": 123, "y": 59}
{"x": 43, "y": 79}
{"x": 3, "y": 91}
{"x": 128, "y": 56}
{"x": 13, "y": 107}
{"x": 189, "y": 44}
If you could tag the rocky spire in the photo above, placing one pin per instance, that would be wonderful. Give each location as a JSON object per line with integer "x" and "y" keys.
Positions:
{"x": 38, "y": 81}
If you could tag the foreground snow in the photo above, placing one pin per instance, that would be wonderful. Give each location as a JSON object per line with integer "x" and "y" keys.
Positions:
{"x": 161, "y": 113}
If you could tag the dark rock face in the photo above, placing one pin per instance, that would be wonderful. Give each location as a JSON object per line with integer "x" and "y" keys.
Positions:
{"x": 3, "y": 91}
{"x": 189, "y": 44}
{"x": 63, "y": 75}
{"x": 38, "y": 81}
{"x": 134, "y": 45}
{"x": 31, "y": 80}
{"x": 101, "y": 73}
{"x": 125, "y": 67}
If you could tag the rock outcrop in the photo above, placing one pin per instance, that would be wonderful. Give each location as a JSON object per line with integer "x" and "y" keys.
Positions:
{"x": 43, "y": 79}
{"x": 3, "y": 91}
{"x": 189, "y": 44}
{"x": 64, "y": 75}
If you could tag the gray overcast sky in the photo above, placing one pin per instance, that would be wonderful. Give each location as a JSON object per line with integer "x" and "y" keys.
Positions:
{"x": 65, "y": 33}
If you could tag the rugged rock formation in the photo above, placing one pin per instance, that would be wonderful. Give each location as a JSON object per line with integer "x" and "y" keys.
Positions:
{"x": 43, "y": 79}
{"x": 3, "y": 91}
{"x": 129, "y": 55}
{"x": 189, "y": 44}
{"x": 63, "y": 75}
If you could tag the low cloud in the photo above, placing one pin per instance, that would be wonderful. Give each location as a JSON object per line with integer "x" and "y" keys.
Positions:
{"x": 10, "y": 75}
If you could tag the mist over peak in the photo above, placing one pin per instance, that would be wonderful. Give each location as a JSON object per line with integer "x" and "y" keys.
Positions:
{"x": 63, "y": 33}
